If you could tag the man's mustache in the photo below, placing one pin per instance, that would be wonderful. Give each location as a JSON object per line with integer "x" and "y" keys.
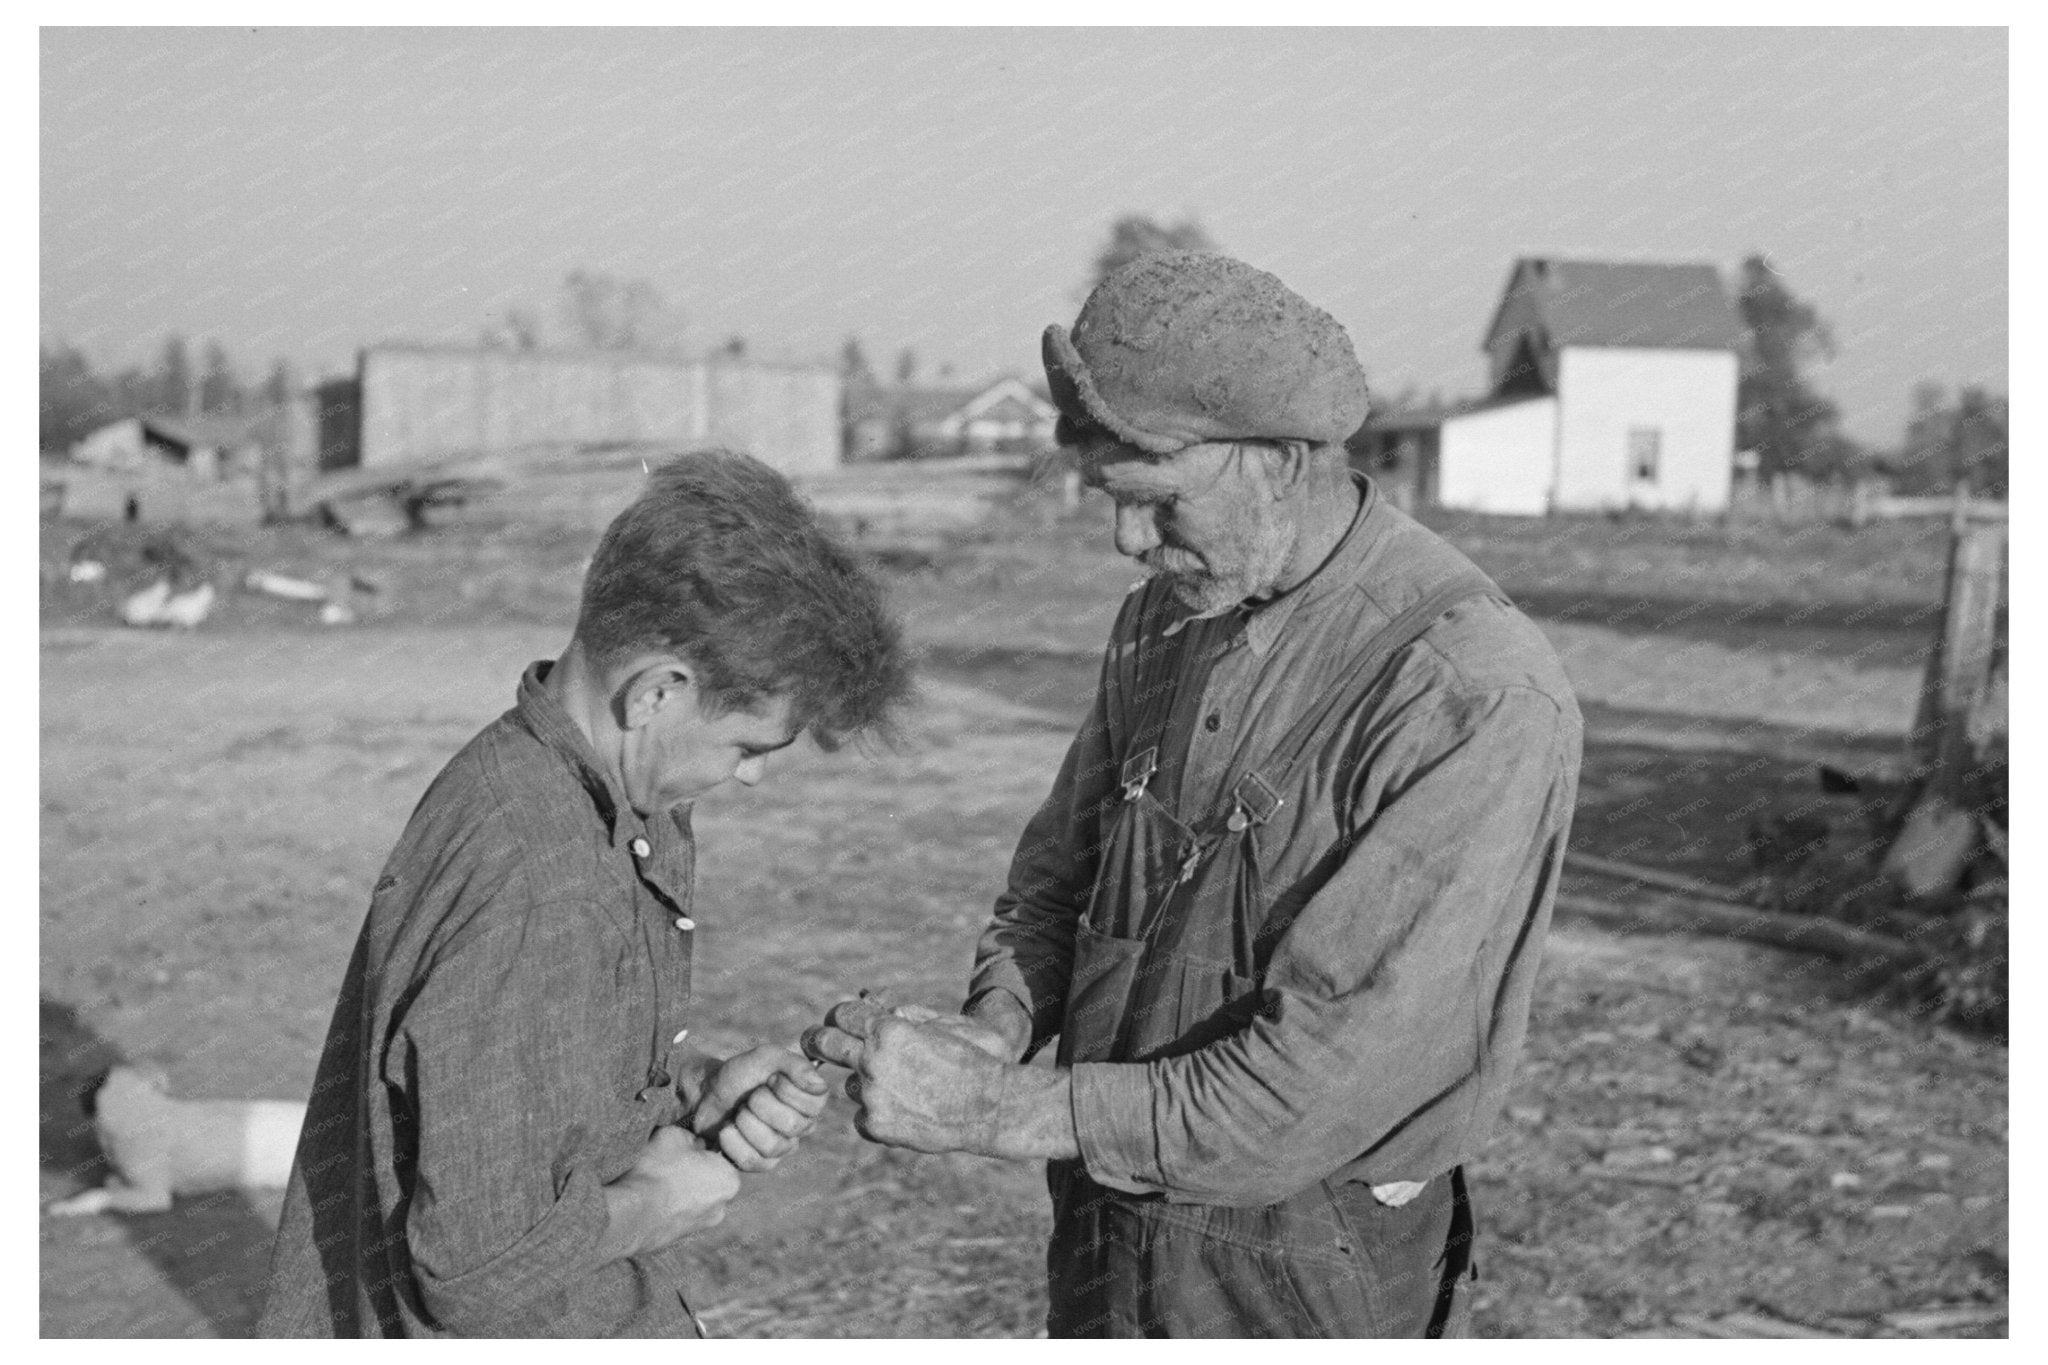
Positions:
{"x": 1170, "y": 561}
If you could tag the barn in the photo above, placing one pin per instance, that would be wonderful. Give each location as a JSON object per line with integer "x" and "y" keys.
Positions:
{"x": 1611, "y": 385}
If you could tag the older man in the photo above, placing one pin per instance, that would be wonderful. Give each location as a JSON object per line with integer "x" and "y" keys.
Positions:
{"x": 1285, "y": 904}
{"x": 509, "y": 1130}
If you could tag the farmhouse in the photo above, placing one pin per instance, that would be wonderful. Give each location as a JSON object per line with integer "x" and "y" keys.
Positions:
{"x": 912, "y": 422}
{"x": 1612, "y": 385}
{"x": 201, "y": 447}
{"x": 412, "y": 403}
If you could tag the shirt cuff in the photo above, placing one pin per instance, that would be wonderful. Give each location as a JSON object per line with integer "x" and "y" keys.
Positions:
{"x": 1113, "y": 1126}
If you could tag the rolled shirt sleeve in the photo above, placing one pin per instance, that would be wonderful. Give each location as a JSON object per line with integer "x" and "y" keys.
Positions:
{"x": 498, "y": 1056}
{"x": 1401, "y": 988}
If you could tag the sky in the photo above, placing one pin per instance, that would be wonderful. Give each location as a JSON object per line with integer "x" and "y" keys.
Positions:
{"x": 301, "y": 193}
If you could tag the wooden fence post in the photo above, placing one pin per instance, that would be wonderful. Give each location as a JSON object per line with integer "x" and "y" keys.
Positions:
{"x": 1959, "y": 673}
{"x": 1941, "y": 832}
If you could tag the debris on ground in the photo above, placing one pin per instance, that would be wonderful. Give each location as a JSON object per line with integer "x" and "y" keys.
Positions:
{"x": 160, "y": 605}
{"x": 284, "y": 586}
{"x": 342, "y": 598}
{"x": 1915, "y": 862}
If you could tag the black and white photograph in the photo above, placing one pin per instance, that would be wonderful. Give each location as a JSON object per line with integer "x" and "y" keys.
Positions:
{"x": 1081, "y": 680}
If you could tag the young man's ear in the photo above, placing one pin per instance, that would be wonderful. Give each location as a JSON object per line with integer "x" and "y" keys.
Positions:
{"x": 652, "y": 687}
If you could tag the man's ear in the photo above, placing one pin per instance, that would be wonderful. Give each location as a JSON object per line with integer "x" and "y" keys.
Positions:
{"x": 1285, "y": 462}
{"x": 652, "y": 687}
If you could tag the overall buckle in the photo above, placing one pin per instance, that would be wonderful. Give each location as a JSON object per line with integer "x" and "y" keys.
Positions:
{"x": 1255, "y": 803}
{"x": 1138, "y": 770}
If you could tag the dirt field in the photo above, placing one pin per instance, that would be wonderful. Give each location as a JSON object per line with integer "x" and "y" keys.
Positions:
{"x": 1700, "y": 1129}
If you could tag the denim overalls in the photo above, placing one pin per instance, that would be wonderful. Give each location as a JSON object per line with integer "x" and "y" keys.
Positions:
{"x": 1168, "y": 958}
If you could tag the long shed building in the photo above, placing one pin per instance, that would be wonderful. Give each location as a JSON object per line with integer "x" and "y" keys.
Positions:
{"x": 414, "y": 402}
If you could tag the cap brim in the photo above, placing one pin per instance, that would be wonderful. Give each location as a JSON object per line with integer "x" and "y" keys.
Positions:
{"x": 1081, "y": 406}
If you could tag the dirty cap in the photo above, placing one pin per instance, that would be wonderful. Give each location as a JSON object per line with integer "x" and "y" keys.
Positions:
{"x": 1182, "y": 347}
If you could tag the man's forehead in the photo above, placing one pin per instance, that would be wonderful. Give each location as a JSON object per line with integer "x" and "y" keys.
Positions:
{"x": 1118, "y": 468}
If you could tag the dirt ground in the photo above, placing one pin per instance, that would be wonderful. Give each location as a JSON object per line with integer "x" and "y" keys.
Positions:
{"x": 1700, "y": 1128}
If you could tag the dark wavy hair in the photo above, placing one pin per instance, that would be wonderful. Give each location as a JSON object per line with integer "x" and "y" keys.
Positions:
{"x": 721, "y": 563}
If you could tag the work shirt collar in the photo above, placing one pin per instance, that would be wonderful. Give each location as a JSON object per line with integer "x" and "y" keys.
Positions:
{"x": 544, "y": 716}
{"x": 1263, "y": 621}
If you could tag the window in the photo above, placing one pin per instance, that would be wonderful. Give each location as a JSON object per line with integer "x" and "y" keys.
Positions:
{"x": 1643, "y": 447}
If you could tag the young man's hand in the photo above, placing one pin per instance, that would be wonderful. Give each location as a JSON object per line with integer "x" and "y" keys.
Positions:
{"x": 676, "y": 1187}
{"x": 757, "y": 1104}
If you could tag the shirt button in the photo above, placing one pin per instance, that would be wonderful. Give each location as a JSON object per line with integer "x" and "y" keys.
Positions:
{"x": 684, "y": 924}
{"x": 641, "y": 848}
{"x": 1214, "y": 722}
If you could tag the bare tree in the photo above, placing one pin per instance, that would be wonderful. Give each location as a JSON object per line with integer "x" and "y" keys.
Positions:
{"x": 1135, "y": 235}
{"x": 610, "y": 313}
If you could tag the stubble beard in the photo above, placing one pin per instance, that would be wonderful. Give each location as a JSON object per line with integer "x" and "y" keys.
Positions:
{"x": 1207, "y": 593}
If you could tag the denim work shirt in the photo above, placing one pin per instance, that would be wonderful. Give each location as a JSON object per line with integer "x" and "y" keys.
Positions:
{"x": 503, "y": 1046}
{"x": 1410, "y": 894}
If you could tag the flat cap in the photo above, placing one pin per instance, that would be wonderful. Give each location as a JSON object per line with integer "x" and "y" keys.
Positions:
{"x": 1182, "y": 347}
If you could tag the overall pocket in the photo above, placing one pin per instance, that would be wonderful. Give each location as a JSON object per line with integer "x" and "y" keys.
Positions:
{"x": 1099, "y": 999}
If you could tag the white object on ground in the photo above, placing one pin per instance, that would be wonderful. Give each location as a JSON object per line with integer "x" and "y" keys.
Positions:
{"x": 146, "y": 608}
{"x": 188, "y": 609}
{"x": 157, "y": 605}
{"x": 278, "y": 585}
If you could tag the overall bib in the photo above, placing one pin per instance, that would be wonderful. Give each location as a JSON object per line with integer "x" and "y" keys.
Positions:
{"x": 1168, "y": 958}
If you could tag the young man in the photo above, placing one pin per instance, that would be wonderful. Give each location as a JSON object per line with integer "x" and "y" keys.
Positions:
{"x": 509, "y": 1131}
{"x": 1285, "y": 904}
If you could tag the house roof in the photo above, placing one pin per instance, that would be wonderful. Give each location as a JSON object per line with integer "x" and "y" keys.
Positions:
{"x": 1622, "y": 303}
{"x": 218, "y": 430}
{"x": 1429, "y": 416}
{"x": 919, "y": 406}
{"x": 1015, "y": 392}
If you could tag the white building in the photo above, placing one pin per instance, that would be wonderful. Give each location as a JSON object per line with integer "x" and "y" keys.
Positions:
{"x": 1612, "y": 385}
{"x": 203, "y": 447}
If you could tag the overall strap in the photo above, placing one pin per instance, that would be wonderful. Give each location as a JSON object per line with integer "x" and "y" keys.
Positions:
{"x": 1256, "y": 795}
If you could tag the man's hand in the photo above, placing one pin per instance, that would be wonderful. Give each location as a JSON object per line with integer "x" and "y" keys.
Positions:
{"x": 925, "y": 1087}
{"x": 676, "y": 1187}
{"x": 757, "y": 1105}
{"x": 844, "y": 1033}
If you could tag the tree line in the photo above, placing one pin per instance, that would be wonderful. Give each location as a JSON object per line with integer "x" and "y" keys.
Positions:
{"x": 76, "y": 399}
{"x": 1950, "y": 440}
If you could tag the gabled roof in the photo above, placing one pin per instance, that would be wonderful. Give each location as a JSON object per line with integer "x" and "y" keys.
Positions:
{"x": 219, "y": 430}
{"x": 1010, "y": 389}
{"x": 1620, "y": 303}
{"x": 920, "y": 406}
